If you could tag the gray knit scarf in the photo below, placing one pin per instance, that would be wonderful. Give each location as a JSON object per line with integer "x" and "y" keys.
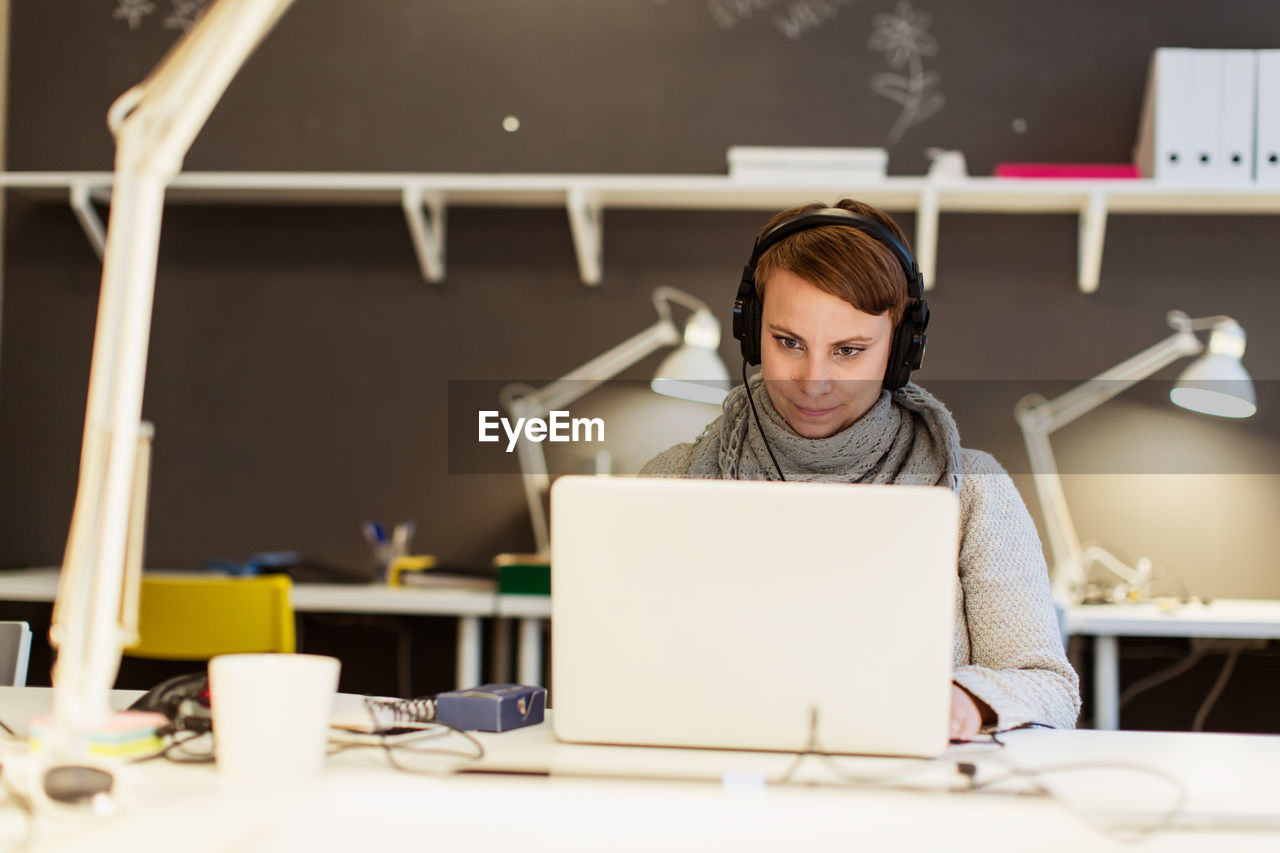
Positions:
{"x": 908, "y": 437}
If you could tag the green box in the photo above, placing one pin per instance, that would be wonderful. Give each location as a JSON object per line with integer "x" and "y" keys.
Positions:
{"x": 524, "y": 579}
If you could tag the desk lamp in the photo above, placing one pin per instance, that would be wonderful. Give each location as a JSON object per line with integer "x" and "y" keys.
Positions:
{"x": 1216, "y": 383}
{"x": 154, "y": 124}
{"x": 693, "y": 371}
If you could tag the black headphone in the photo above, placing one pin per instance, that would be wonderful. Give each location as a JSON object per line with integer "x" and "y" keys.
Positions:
{"x": 907, "y": 349}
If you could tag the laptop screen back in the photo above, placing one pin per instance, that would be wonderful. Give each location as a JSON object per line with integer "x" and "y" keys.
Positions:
{"x": 753, "y": 615}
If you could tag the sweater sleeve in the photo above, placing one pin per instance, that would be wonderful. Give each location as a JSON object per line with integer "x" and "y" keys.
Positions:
{"x": 1016, "y": 661}
{"x": 671, "y": 462}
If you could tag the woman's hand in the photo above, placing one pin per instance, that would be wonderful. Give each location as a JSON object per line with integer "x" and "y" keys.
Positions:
{"x": 966, "y": 718}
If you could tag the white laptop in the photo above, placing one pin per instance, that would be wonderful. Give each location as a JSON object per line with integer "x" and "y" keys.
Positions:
{"x": 753, "y": 615}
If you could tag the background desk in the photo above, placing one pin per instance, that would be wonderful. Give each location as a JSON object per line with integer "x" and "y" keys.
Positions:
{"x": 619, "y": 798}
{"x": 1223, "y": 618}
{"x": 532, "y": 613}
{"x": 468, "y": 605}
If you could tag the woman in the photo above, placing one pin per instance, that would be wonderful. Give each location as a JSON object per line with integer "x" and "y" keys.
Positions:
{"x": 832, "y": 309}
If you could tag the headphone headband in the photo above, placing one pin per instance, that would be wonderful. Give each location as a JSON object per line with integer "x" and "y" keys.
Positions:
{"x": 818, "y": 217}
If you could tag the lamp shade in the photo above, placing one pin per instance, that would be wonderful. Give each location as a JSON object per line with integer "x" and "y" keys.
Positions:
{"x": 1216, "y": 383}
{"x": 694, "y": 370}
{"x": 692, "y": 373}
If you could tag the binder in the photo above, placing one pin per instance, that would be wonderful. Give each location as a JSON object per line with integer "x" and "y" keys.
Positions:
{"x": 1163, "y": 150}
{"x": 1267, "y": 162}
{"x": 15, "y": 650}
{"x": 1206, "y": 117}
{"x": 1239, "y": 95}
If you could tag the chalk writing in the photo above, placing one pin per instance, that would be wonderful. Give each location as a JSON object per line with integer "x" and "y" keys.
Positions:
{"x": 132, "y": 11}
{"x": 729, "y": 13}
{"x": 185, "y": 14}
{"x": 805, "y": 16}
{"x": 903, "y": 37}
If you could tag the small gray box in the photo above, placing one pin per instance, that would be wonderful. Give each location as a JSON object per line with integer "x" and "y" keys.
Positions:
{"x": 492, "y": 707}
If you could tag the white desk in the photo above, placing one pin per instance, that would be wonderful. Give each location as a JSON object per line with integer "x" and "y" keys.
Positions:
{"x": 469, "y": 605}
{"x": 1223, "y": 618}
{"x": 583, "y": 803}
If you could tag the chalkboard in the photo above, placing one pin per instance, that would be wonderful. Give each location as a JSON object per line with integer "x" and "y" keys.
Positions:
{"x": 623, "y": 85}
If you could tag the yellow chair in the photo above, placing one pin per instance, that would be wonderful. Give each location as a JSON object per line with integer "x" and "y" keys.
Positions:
{"x": 195, "y": 618}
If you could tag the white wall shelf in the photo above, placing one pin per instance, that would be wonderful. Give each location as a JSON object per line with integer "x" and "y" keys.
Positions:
{"x": 425, "y": 197}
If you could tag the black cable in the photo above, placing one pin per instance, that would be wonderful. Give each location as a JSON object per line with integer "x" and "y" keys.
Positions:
{"x": 1214, "y": 692}
{"x": 1161, "y": 676}
{"x": 10, "y": 732}
{"x": 760, "y": 429}
{"x": 391, "y": 748}
{"x": 179, "y": 754}
{"x": 811, "y": 748}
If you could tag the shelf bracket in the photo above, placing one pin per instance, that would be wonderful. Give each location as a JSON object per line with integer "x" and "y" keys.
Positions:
{"x": 586, "y": 223}
{"x": 927, "y": 235}
{"x": 87, "y": 214}
{"x": 1093, "y": 231}
{"x": 426, "y": 232}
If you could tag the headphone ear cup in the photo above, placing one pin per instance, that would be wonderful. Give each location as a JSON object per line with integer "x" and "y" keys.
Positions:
{"x": 747, "y": 320}
{"x": 907, "y": 351}
{"x": 893, "y": 374}
{"x": 752, "y": 344}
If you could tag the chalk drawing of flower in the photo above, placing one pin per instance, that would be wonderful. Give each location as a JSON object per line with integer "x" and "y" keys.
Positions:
{"x": 132, "y": 11}
{"x": 185, "y": 14}
{"x": 904, "y": 39}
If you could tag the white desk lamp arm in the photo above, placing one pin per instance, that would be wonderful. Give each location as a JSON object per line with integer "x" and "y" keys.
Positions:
{"x": 1038, "y": 418}
{"x": 525, "y": 402}
{"x": 155, "y": 124}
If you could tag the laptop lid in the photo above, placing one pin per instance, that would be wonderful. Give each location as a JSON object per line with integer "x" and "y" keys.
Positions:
{"x": 753, "y": 615}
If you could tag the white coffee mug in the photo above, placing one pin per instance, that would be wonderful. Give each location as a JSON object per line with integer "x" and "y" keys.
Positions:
{"x": 271, "y": 715}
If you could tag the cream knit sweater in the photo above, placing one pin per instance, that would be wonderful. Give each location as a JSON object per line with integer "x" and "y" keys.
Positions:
{"x": 1007, "y": 649}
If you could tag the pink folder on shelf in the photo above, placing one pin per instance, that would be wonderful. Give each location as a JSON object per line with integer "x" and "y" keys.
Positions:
{"x": 1081, "y": 171}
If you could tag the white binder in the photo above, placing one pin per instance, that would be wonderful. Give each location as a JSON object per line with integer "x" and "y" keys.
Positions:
{"x": 1239, "y": 96}
{"x": 1267, "y": 166}
{"x": 1206, "y": 117}
{"x": 15, "y": 650}
{"x": 1163, "y": 150}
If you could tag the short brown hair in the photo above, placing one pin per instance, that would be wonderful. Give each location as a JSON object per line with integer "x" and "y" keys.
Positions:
{"x": 841, "y": 260}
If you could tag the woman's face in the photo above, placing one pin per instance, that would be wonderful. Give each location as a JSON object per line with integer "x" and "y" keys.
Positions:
{"x": 823, "y": 360}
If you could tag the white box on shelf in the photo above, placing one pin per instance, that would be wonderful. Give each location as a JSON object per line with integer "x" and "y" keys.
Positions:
{"x": 1163, "y": 149}
{"x": 1267, "y": 157}
{"x": 1206, "y": 118}
{"x": 1239, "y": 97}
{"x": 752, "y": 162}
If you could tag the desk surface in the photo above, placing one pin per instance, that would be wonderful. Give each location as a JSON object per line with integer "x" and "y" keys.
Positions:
{"x": 41, "y": 584}
{"x": 1224, "y": 617}
{"x": 358, "y": 802}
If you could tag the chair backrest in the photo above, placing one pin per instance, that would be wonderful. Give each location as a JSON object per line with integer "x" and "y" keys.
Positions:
{"x": 15, "y": 651}
{"x": 195, "y": 618}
